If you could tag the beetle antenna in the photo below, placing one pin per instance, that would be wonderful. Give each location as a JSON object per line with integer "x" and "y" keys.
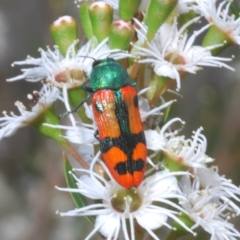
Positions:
{"x": 87, "y": 57}
{"x": 117, "y": 52}
{"x": 63, "y": 115}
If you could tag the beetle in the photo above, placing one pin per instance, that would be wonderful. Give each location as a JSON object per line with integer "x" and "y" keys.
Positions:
{"x": 120, "y": 130}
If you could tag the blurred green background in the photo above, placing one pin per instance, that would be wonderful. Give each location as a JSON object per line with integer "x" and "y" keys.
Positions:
{"x": 30, "y": 165}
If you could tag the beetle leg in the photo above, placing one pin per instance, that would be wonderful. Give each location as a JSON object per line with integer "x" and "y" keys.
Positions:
{"x": 96, "y": 134}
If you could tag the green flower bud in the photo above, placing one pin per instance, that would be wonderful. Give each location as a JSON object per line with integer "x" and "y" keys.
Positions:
{"x": 186, "y": 17}
{"x": 216, "y": 35}
{"x": 85, "y": 19}
{"x": 159, "y": 85}
{"x": 157, "y": 13}
{"x": 75, "y": 97}
{"x": 101, "y": 15}
{"x": 128, "y": 8}
{"x": 174, "y": 164}
{"x": 120, "y": 35}
{"x": 48, "y": 115}
{"x": 64, "y": 32}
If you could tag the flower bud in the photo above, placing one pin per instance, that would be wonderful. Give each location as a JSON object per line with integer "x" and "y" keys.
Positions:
{"x": 120, "y": 34}
{"x": 178, "y": 230}
{"x": 128, "y": 8}
{"x": 174, "y": 163}
{"x": 75, "y": 97}
{"x": 101, "y": 15}
{"x": 156, "y": 15}
{"x": 158, "y": 86}
{"x": 85, "y": 19}
{"x": 64, "y": 32}
{"x": 186, "y": 17}
{"x": 215, "y": 36}
{"x": 48, "y": 115}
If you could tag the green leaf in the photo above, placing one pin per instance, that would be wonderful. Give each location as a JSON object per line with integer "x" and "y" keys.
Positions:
{"x": 167, "y": 113}
{"x": 79, "y": 199}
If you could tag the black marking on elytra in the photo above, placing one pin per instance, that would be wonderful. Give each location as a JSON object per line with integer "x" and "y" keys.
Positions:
{"x": 99, "y": 107}
{"x": 126, "y": 144}
{"x": 130, "y": 166}
{"x": 139, "y": 164}
{"x": 106, "y": 144}
{"x": 135, "y": 101}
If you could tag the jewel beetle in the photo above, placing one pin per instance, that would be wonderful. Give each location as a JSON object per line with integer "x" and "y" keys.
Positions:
{"x": 120, "y": 130}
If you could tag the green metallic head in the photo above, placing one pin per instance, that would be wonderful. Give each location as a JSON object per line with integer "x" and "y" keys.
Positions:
{"x": 108, "y": 74}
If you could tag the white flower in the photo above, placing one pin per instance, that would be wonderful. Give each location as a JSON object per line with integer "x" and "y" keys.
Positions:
{"x": 206, "y": 211}
{"x": 144, "y": 107}
{"x": 184, "y": 6}
{"x": 79, "y": 132}
{"x": 65, "y": 71}
{"x": 172, "y": 53}
{"x": 9, "y": 124}
{"x": 219, "y": 187}
{"x": 190, "y": 152}
{"x": 141, "y": 204}
{"x": 219, "y": 17}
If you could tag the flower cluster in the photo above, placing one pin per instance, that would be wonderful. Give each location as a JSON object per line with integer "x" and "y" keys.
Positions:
{"x": 123, "y": 136}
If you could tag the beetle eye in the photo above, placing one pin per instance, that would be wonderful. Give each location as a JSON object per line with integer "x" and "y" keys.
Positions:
{"x": 96, "y": 62}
